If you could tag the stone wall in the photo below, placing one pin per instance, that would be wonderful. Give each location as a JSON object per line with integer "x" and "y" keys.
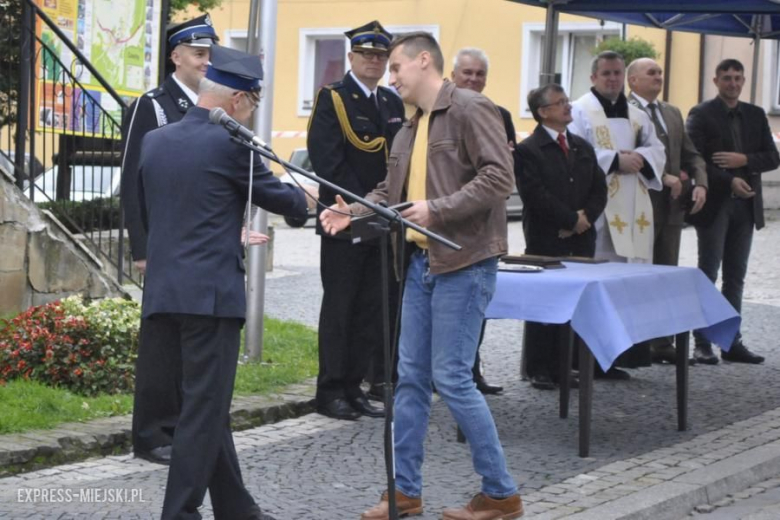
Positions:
{"x": 40, "y": 261}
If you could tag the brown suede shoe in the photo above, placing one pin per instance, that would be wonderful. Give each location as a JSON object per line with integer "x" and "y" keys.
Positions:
{"x": 482, "y": 507}
{"x": 407, "y": 506}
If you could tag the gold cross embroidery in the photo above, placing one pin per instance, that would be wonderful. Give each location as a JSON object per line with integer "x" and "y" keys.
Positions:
{"x": 619, "y": 224}
{"x": 642, "y": 222}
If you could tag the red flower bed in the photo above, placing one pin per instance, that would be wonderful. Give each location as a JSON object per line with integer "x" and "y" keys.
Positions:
{"x": 87, "y": 349}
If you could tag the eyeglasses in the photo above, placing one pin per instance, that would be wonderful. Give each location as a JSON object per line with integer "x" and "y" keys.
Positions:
{"x": 253, "y": 98}
{"x": 560, "y": 103}
{"x": 368, "y": 56}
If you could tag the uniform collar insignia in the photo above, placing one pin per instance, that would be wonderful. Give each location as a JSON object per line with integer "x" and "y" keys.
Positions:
{"x": 183, "y": 103}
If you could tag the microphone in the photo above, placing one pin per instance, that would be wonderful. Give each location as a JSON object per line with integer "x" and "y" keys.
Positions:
{"x": 218, "y": 116}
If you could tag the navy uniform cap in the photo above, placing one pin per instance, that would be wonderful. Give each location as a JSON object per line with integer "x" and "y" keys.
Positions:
{"x": 370, "y": 37}
{"x": 235, "y": 69}
{"x": 198, "y": 32}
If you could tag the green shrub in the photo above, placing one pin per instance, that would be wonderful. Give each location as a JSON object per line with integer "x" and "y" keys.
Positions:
{"x": 87, "y": 348}
{"x": 630, "y": 49}
{"x": 90, "y": 215}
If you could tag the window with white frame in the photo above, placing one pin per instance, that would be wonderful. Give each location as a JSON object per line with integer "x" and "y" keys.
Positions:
{"x": 323, "y": 59}
{"x": 235, "y": 39}
{"x": 574, "y": 53}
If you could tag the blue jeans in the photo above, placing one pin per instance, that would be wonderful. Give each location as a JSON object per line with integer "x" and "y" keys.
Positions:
{"x": 727, "y": 240}
{"x": 441, "y": 318}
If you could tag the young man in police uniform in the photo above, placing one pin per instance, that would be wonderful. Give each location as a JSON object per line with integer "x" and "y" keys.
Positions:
{"x": 192, "y": 205}
{"x": 157, "y": 403}
{"x": 350, "y": 133}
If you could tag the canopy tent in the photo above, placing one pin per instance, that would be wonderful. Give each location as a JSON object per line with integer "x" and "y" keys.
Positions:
{"x": 756, "y": 19}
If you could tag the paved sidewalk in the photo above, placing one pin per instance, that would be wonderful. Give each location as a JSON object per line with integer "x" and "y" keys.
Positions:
{"x": 316, "y": 468}
{"x": 760, "y": 502}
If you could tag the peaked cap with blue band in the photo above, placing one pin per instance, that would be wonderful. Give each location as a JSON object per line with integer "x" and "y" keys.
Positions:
{"x": 235, "y": 69}
{"x": 198, "y": 32}
{"x": 370, "y": 37}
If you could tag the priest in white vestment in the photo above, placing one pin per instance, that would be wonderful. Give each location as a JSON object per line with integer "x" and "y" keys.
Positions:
{"x": 631, "y": 156}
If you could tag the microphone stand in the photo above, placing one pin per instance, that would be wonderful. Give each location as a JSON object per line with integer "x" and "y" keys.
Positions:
{"x": 386, "y": 220}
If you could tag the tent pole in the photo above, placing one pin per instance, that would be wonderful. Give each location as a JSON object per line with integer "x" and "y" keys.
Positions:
{"x": 667, "y": 64}
{"x": 758, "y": 30}
{"x": 547, "y": 75}
{"x": 754, "y": 72}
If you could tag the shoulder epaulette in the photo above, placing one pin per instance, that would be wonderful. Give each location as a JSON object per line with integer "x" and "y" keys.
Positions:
{"x": 157, "y": 92}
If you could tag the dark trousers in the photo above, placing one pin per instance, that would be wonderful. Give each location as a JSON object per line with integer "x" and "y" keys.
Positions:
{"x": 157, "y": 399}
{"x": 543, "y": 347}
{"x": 204, "y": 456}
{"x": 727, "y": 241}
{"x": 666, "y": 247}
{"x": 350, "y": 328}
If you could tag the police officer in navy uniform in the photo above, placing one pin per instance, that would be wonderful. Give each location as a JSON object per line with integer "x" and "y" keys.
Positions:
{"x": 157, "y": 400}
{"x": 193, "y": 192}
{"x": 349, "y": 138}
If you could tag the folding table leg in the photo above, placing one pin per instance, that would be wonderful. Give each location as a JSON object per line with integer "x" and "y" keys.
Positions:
{"x": 681, "y": 347}
{"x": 566, "y": 341}
{"x": 586, "y": 396}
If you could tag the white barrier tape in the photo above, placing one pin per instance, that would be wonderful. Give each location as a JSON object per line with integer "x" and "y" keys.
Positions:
{"x": 520, "y": 135}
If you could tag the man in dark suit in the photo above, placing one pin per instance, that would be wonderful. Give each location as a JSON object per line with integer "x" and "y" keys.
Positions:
{"x": 350, "y": 133}
{"x": 156, "y": 404}
{"x": 735, "y": 141}
{"x": 564, "y": 191}
{"x": 684, "y": 178}
{"x": 470, "y": 70}
{"x": 192, "y": 205}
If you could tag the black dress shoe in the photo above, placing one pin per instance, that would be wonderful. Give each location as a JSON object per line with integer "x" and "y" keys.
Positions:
{"x": 740, "y": 354}
{"x": 664, "y": 353}
{"x": 542, "y": 382}
{"x": 486, "y": 388}
{"x": 338, "y": 409}
{"x": 574, "y": 382}
{"x": 362, "y": 405}
{"x": 376, "y": 392}
{"x": 159, "y": 455}
{"x": 703, "y": 354}
{"x": 613, "y": 374}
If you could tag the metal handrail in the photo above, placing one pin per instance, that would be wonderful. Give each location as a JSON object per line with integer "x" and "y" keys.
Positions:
{"x": 69, "y": 44}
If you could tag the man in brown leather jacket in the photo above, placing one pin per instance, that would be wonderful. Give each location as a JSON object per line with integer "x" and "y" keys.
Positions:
{"x": 451, "y": 161}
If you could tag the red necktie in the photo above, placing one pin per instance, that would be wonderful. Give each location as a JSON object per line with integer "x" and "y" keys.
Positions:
{"x": 562, "y": 144}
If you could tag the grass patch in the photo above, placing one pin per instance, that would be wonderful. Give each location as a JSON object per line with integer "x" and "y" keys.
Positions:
{"x": 289, "y": 356}
{"x": 29, "y": 405}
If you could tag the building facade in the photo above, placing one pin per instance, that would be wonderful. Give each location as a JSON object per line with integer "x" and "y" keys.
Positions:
{"x": 311, "y": 50}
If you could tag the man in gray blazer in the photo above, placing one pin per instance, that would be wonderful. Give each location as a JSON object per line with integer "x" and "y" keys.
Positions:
{"x": 684, "y": 178}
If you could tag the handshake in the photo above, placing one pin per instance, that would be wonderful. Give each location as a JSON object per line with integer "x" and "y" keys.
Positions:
{"x": 582, "y": 225}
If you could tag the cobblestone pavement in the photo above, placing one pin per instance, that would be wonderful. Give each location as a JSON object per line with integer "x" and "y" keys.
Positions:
{"x": 316, "y": 468}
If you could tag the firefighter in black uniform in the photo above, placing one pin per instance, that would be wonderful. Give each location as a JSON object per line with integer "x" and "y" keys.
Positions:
{"x": 157, "y": 395}
{"x": 193, "y": 203}
{"x": 349, "y": 139}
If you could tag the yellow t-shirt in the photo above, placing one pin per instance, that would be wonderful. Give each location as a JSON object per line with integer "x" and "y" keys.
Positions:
{"x": 418, "y": 171}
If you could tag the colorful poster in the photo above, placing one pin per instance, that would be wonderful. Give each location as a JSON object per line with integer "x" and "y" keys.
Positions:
{"x": 120, "y": 39}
